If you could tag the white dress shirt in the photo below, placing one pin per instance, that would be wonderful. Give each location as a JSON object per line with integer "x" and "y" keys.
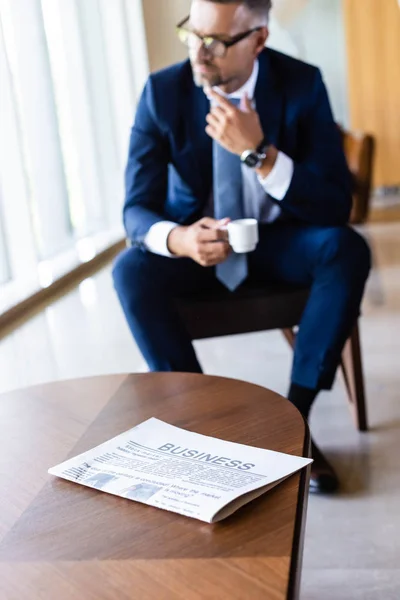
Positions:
{"x": 256, "y": 190}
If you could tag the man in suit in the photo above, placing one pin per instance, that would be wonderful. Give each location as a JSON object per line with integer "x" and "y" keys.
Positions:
{"x": 239, "y": 131}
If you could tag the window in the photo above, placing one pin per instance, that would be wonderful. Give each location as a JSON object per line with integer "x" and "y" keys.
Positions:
{"x": 70, "y": 76}
{"x": 4, "y": 267}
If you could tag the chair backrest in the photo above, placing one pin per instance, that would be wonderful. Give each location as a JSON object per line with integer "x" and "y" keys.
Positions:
{"x": 359, "y": 149}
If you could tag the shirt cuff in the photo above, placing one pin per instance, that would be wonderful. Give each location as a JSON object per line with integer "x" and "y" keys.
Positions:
{"x": 157, "y": 237}
{"x": 277, "y": 183}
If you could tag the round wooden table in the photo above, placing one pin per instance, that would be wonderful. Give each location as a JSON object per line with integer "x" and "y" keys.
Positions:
{"x": 62, "y": 541}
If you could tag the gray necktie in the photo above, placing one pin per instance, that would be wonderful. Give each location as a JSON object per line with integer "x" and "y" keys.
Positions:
{"x": 228, "y": 202}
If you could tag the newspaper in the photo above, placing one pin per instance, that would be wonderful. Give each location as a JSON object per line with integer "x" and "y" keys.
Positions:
{"x": 180, "y": 471}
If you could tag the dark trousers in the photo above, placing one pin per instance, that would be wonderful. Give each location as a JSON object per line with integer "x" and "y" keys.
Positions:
{"x": 333, "y": 261}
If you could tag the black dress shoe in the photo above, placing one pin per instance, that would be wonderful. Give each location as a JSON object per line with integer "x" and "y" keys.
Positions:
{"x": 323, "y": 478}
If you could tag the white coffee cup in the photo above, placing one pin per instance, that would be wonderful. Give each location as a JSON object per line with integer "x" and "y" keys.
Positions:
{"x": 243, "y": 235}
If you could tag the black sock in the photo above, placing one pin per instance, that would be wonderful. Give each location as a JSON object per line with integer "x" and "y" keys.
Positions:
{"x": 302, "y": 398}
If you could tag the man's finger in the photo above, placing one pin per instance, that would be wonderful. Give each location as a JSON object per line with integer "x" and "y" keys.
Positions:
{"x": 218, "y": 113}
{"x": 227, "y": 106}
{"x": 212, "y": 132}
{"x": 212, "y": 235}
{"x": 208, "y": 235}
{"x": 208, "y": 222}
{"x": 213, "y": 120}
{"x": 218, "y": 254}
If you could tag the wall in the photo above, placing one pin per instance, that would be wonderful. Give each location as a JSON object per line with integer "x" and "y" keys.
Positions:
{"x": 373, "y": 43}
{"x": 160, "y": 17}
{"x": 313, "y": 31}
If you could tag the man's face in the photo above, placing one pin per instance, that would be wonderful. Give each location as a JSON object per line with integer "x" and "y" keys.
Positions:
{"x": 224, "y": 21}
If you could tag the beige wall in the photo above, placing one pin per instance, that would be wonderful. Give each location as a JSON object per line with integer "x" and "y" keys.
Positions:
{"x": 160, "y": 17}
{"x": 373, "y": 48}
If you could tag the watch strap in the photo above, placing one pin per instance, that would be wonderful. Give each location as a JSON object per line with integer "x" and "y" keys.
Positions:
{"x": 249, "y": 156}
{"x": 262, "y": 147}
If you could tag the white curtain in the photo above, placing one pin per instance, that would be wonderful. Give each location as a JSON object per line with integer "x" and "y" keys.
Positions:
{"x": 71, "y": 72}
{"x": 4, "y": 262}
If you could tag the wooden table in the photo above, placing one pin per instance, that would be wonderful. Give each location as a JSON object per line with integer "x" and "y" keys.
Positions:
{"x": 62, "y": 541}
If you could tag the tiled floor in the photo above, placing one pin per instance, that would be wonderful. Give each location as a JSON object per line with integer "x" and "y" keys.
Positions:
{"x": 353, "y": 540}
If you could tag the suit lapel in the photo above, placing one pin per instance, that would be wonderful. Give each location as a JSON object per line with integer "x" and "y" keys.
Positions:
{"x": 200, "y": 142}
{"x": 269, "y": 100}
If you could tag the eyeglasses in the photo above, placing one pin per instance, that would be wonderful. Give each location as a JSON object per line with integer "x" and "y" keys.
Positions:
{"x": 213, "y": 45}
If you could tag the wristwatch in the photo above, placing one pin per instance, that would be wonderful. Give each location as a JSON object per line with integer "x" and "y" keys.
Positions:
{"x": 255, "y": 158}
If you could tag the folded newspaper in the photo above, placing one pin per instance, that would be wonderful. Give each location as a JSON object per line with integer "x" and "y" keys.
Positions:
{"x": 180, "y": 471}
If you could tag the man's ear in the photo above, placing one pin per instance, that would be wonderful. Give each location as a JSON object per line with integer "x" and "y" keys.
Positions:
{"x": 263, "y": 35}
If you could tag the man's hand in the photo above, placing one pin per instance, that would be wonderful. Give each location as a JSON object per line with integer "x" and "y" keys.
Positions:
{"x": 236, "y": 129}
{"x": 205, "y": 242}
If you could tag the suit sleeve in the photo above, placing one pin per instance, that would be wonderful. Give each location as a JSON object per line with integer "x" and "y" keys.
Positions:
{"x": 146, "y": 175}
{"x": 320, "y": 191}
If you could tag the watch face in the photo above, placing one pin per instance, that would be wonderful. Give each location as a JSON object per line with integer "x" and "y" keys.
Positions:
{"x": 252, "y": 160}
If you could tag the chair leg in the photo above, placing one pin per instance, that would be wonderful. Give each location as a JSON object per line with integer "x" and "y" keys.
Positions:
{"x": 352, "y": 369}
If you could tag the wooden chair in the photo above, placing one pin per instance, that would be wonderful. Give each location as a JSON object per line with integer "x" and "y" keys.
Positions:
{"x": 360, "y": 151}
{"x": 254, "y": 309}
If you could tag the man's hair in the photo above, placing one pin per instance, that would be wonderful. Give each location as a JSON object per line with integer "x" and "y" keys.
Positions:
{"x": 262, "y": 7}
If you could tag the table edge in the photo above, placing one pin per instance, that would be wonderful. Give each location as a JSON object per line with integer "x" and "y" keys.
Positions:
{"x": 295, "y": 569}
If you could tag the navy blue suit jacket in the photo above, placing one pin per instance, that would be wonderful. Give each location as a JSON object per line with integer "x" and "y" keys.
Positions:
{"x": 169, "y": 171}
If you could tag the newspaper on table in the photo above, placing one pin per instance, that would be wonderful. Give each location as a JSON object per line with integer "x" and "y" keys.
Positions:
{"x": 180, "y": 471}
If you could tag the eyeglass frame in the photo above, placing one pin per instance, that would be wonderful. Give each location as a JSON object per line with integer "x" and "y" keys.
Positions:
{"x": 228, "y": 44}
